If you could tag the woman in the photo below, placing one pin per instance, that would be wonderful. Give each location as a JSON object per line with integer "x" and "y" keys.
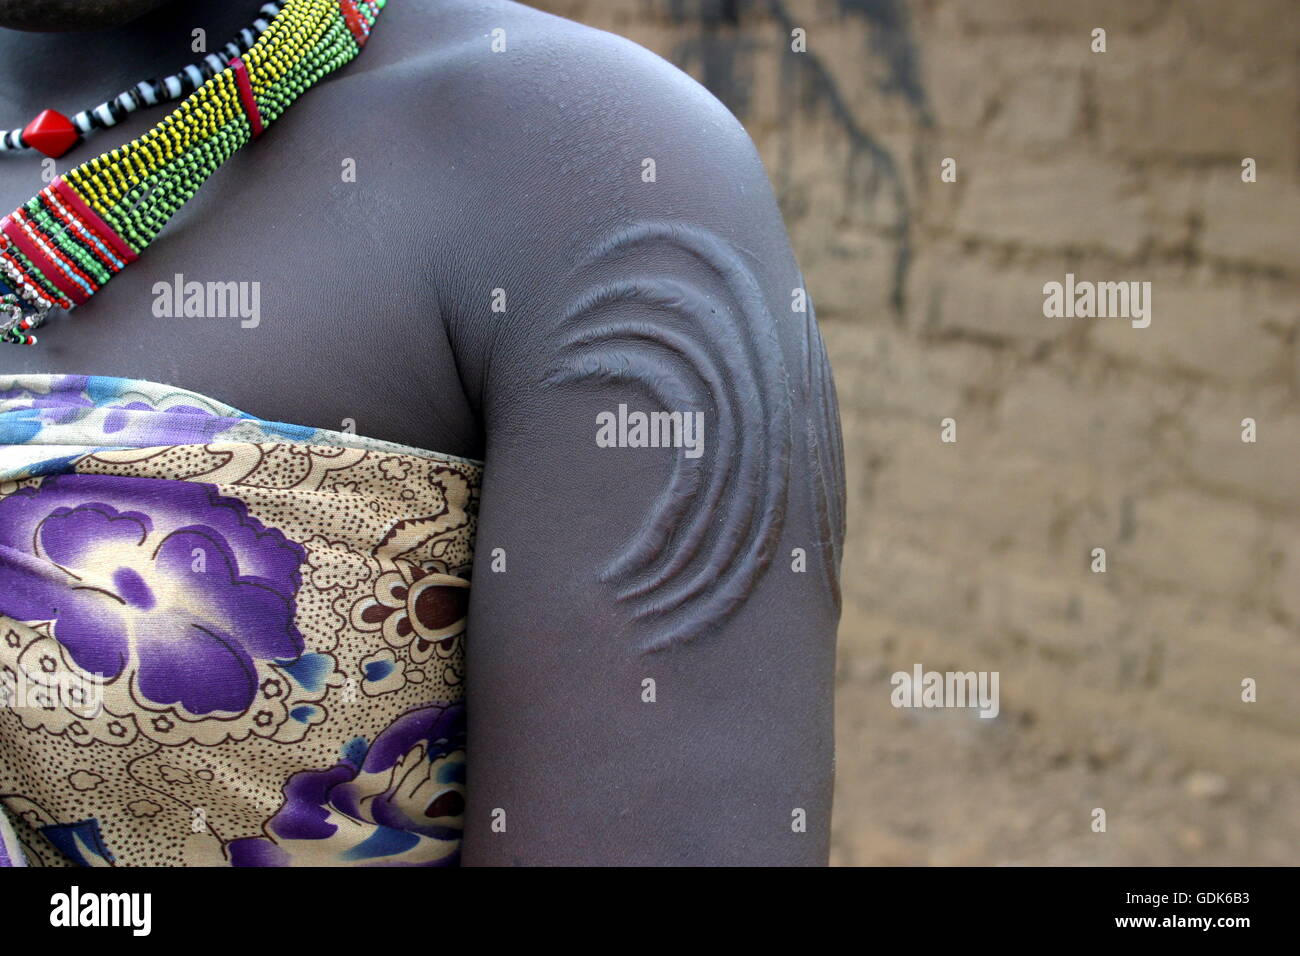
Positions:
{"x": 480, "y": 288}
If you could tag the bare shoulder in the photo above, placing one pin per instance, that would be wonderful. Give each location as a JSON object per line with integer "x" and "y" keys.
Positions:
{"x": 493, "y": 52}
{"x": 616, "y": 244}
{"x": 516, "y": 137}
{"x": 508, "y": 91}
{"x": 548, "y": 145}
{"x": 662, "y": 481}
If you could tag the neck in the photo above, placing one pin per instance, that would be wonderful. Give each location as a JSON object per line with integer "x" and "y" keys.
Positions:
{"x": 74, "y": 71}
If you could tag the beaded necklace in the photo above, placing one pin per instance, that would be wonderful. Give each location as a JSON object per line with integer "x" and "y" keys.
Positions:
{"x": 54, "y": 134}
{"x": 62, "y": 245}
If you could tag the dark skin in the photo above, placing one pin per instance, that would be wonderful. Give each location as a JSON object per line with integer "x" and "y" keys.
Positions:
{"x": 523, "y": 171}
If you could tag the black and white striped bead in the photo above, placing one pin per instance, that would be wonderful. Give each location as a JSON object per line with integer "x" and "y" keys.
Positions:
{"x": 103, "y": 115}
{"x": 148, "y": 90}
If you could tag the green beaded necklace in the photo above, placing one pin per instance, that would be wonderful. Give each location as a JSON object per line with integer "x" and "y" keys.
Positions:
{"x": 61, "y": 246}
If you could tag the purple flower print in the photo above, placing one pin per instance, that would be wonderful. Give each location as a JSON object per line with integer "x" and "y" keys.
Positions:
{"x": 167, "y": 580}
{"x": 63, "y": 390}
{"x": 398, "y": 801}
{"x": 71, "y": 398}
{"x": 145, "y": 425}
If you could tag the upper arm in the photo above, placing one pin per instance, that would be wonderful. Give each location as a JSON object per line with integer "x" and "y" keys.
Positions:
{"x": 651, "y": 631}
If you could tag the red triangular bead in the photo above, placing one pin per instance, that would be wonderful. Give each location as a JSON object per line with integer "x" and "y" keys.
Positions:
{"x": 51, "y": 132}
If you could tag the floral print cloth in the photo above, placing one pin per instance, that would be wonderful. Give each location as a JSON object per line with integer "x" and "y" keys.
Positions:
{"x": 225, "y": 641}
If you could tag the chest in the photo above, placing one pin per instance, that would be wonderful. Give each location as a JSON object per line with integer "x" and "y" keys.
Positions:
{"x": 285, "y": 288}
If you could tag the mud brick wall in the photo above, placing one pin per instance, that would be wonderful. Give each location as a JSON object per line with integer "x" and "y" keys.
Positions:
{"x": 1119, "y": 690}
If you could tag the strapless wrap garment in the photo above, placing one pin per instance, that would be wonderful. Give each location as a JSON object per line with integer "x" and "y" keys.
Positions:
{"x": 225, "y": 641}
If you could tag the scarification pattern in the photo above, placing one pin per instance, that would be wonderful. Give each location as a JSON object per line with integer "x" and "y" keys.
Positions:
{"x": 712, "y": 347}
{"x": 825, "y": 450}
